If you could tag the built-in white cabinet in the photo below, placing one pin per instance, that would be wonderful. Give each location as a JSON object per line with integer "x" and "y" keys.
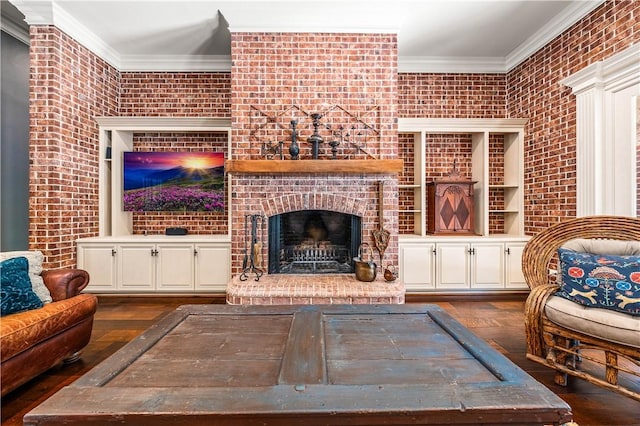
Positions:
{"x": 489, "y": 152}
{"x": 155, "y": 264}
{"x": 475, "y": 265}
{"x": 99, "y": 259}
{"x": 175, "y": 267}
{"x": 514, "y": 278}
{"x": 136, "y": 267}
{"x": 416, "y": 266}
{"x": 212, "y": 266}
{"x": 451, "y": 264}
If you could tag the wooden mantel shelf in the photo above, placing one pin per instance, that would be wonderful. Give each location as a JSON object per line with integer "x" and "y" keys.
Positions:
{"x": 314, "y": 166}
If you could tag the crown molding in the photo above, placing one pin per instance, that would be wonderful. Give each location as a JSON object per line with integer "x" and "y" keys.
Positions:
{"x": 614, "y": 73}
{"x": 15, "y": 29}
{"x": 325, "y": 28}
{"x": 556, "y": 26}
{"x": 541, "y": 38}
{"x": 461, "y": 124}
{"x": 48, "y": 12}
{"x": 175, "y": 63}
{"x": 72, "y": 27}
{"x": 164, "y": 123}
{"x": 450, "y": 65}
{"x": 35, "y": 12}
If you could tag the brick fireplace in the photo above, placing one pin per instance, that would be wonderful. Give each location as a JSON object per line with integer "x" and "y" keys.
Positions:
{"x": 302, "y": 73}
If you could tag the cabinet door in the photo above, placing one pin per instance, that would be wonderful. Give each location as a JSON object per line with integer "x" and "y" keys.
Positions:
{"x": 452, "y": 260}
{"x": 99, "y": 260}
{"x": 136, "y": 267}
{"x": 416, "y": 266}
{"x": 514, "y": 276}
{"x": 487, "y": 265}
{"x": 213, "y": 267}
{"x": 174, "y": 267}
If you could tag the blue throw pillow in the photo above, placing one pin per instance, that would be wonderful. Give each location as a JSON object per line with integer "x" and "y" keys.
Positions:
{"x": 601, "y": 281}
{"x": 16, "y": 293}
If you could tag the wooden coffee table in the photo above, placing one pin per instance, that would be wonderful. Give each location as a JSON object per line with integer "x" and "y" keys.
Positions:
{"x": 306, "y": 365}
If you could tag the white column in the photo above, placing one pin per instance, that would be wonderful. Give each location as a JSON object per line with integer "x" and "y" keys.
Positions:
{"x": 606, "y": 92}
{"x": 589, "y": 152}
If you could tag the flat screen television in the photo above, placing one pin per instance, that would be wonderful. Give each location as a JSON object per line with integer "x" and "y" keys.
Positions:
{"x": 173, "y": 181}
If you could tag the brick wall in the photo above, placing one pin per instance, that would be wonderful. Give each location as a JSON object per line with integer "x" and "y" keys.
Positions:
{"x": 406, "y": 195}
{"x": 426, "y": 95}
{"x": 496, "y": 177}
{"x": 535, "y": 92}
{"x": 175, "y": 94}
{"x": 272, "y": 72}
{"x": 69, "y": 85}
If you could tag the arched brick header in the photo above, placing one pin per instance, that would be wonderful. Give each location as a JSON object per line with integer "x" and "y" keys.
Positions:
{"x": 315, "y": 201}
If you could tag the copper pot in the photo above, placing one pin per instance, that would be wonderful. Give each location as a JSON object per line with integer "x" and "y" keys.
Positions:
{"x": 365, "y": 270}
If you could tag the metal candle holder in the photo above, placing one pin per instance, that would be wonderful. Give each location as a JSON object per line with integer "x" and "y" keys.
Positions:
{"x": 315, "y": 139}
{"x": 294, "y": 149}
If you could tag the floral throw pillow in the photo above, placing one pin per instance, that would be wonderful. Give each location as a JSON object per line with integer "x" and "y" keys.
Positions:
{"x": 600, "y": 280}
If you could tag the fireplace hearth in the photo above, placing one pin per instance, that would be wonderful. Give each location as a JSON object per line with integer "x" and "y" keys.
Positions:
{"x": 313, "y": 242}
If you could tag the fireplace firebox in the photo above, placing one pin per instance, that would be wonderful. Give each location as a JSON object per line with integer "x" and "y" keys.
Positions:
{"x": 313, "y": 242}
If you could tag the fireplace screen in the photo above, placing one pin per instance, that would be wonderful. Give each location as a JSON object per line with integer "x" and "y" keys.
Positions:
{"x": 313, "y": 242}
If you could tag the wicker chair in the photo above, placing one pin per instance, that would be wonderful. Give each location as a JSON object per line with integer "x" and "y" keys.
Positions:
{"x": 561, "y": 348}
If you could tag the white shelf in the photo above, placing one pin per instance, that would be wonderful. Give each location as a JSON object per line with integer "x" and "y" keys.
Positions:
{"x": 484, "y": 132}
{"x": 117, "y": 134}
{"x": 503, "y": 186}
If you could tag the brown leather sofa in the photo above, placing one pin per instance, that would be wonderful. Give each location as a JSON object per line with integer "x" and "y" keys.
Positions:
{"x": 31, "y": 342}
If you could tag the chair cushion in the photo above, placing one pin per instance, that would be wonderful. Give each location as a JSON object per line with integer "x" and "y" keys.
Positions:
{"x": 16, "y": 294}
{"x": 597, "y": 246}
{"x": 601, "y": 323}
{"x": 600, "y": 280}
{"x": 35, "y": 258}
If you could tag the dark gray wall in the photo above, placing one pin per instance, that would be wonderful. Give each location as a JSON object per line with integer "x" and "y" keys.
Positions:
{"x": 14, "y": 144}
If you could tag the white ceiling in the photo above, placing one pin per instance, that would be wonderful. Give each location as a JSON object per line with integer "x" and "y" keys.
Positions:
{"x": 433, "y": 35}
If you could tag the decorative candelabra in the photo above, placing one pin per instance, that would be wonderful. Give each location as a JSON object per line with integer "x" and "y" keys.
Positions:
{"x": 315, "y": 139}
{"x": 334, "y": 148}
{"x": 294, "y": 148}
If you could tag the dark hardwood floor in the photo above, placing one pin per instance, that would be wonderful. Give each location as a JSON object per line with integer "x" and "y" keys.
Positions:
{"x": 498, "y": 321}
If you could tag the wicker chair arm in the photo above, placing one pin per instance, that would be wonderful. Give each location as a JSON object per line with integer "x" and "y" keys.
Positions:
{"x": 533, "y": 315}
{"x": 541, "y": 249}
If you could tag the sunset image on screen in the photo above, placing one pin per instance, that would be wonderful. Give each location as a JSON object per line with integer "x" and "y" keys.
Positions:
{"x": 173, "y": 181}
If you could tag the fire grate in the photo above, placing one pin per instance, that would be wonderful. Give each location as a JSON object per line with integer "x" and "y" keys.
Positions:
{"x": 315, "y": 260}
{"x": 313, "y": 242}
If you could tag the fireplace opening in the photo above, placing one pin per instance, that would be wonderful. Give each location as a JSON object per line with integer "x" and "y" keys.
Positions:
{"x": 313, "y": 242}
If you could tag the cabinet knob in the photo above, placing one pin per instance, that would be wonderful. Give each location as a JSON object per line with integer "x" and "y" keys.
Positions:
{"x": 195, "y": 252}
{"x": 508, "y": 250}
{"x": 113, "y": 252}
